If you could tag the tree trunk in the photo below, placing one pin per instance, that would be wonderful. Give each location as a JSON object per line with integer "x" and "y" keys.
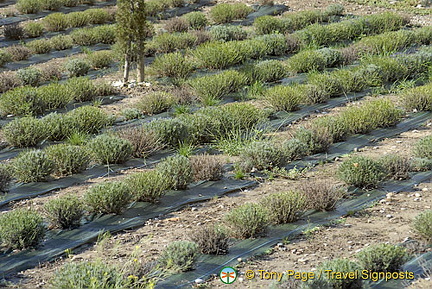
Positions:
{"x": 126, "y": 69}
{"x": 140, "y": 72}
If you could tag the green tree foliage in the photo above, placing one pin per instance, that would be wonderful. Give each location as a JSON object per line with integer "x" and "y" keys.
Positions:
{"x": 132, "y": 29}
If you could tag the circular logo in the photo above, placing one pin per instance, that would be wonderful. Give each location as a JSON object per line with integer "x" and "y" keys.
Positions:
{"x": 228, "y": 275}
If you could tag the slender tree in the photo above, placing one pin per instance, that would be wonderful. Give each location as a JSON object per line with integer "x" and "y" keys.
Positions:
{"x": 132, "y": 30}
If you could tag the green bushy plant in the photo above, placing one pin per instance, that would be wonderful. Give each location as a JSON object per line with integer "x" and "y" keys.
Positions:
{"x": 61, "y": 42}
{"x": 88, "y": 275}
{"x": 179, "y": 256}
{"x": 77, "y": 19}
{"x": 64, "y": 212}
{"x": 247, "y": 221}
{"x": 170, "y": 132}
{"x": 81, "y": 89}
{"x": 147, "y": 186}
{"x": 32, "y": 166}
{"x": 57, "y": 126}
{"x": 177, "y": 170}
{"x": 68, "y": 159}
{"x": 5, "y": 57}
{"x": 21, "y": 101}
{"x": 422, "y": 224}
{"x": 344, "y": 266}
{"x": 325, "y": 85}
{"x": 38, "y": 46}
{"x": 260, "y": 155}
{"x": 155, "y": 102}
{"x": 24, "y": 132}
{"x": 53, "y": 96}
{"x": 108, "y": 198}
{"x": 52, "y": 5}
{"x": 361, "y": 171}
{"x": 268, "y": 71}
{"x": 98, "y": 16}
{"x": 293, "y": 149}
{"x": 197, "y": 20}
{"x": 397, "y": 167}
{"x": 227, "y": 33}
{"x": 33, "y": 29}
{"x": 371, "y": 115}
{"x": 28, "y": 6}
{"x": 224, "y": 13}
{"x": 5, "y": 177}
{"x": 173, "y": 65}
{"x": 77, "y": 67}
{"x": 284, "y": 207}
{"x": 108, "y": 149}
{"x": 219, "y": 55}
{"x": 268, "y": 24}
{"x": 418, "y": 98}
{"x": 170, "y": 42}
{"x": 100, "y": 59}
{"x": 88, "y": 119}
{"x": 55, "y": 22}
{"x": 332, "y": 126}
{"x": 382, "y": 258}
{"x": 316, "y": 141}
{"x": 307, "y": 61}
{"x": 423, "y": 148}
{"x": 267, "y": 45}
{"x": 218, "y": 85}
{"x": 21, "y": 229}
{"x": 211, "y": 240}
{"x": 282, "y": 97}
{"x": 29, "y": 76}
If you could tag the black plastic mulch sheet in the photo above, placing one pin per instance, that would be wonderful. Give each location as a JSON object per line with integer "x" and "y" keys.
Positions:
{"x": 58, "y": 241}
{"x": 208, "y": 265}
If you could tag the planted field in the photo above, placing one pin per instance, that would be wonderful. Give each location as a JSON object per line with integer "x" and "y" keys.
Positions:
{"x": 154, "y": 143}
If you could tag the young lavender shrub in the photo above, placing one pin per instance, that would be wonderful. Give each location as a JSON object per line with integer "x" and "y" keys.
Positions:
{"x": 422, "y": 224}
{"x": 21, "y": 229}
{"x": 64, "y": 212}
{"x": 147, "y": 186}
{"x": 177, "y": 170}
{"x": 24, "y": 132}
{"x": 247, "y": 221}
{"x": 423, "y": 148}
{"x": 109, "y": 149}
{"x": 108, "y": 198}
{"x": 32, "y": 166}
{"x": 179, "y": 256}
{"x": 284, "y": 207}
{"x": 361, "y": 172}
{"x": 212, "y": 240}
{"x": 383, "y": 258}
{"x": 68, "y": 159}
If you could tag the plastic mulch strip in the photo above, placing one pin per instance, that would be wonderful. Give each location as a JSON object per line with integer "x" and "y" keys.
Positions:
{"x": 135, "y": 216}
{"x": 208, "y": 265}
